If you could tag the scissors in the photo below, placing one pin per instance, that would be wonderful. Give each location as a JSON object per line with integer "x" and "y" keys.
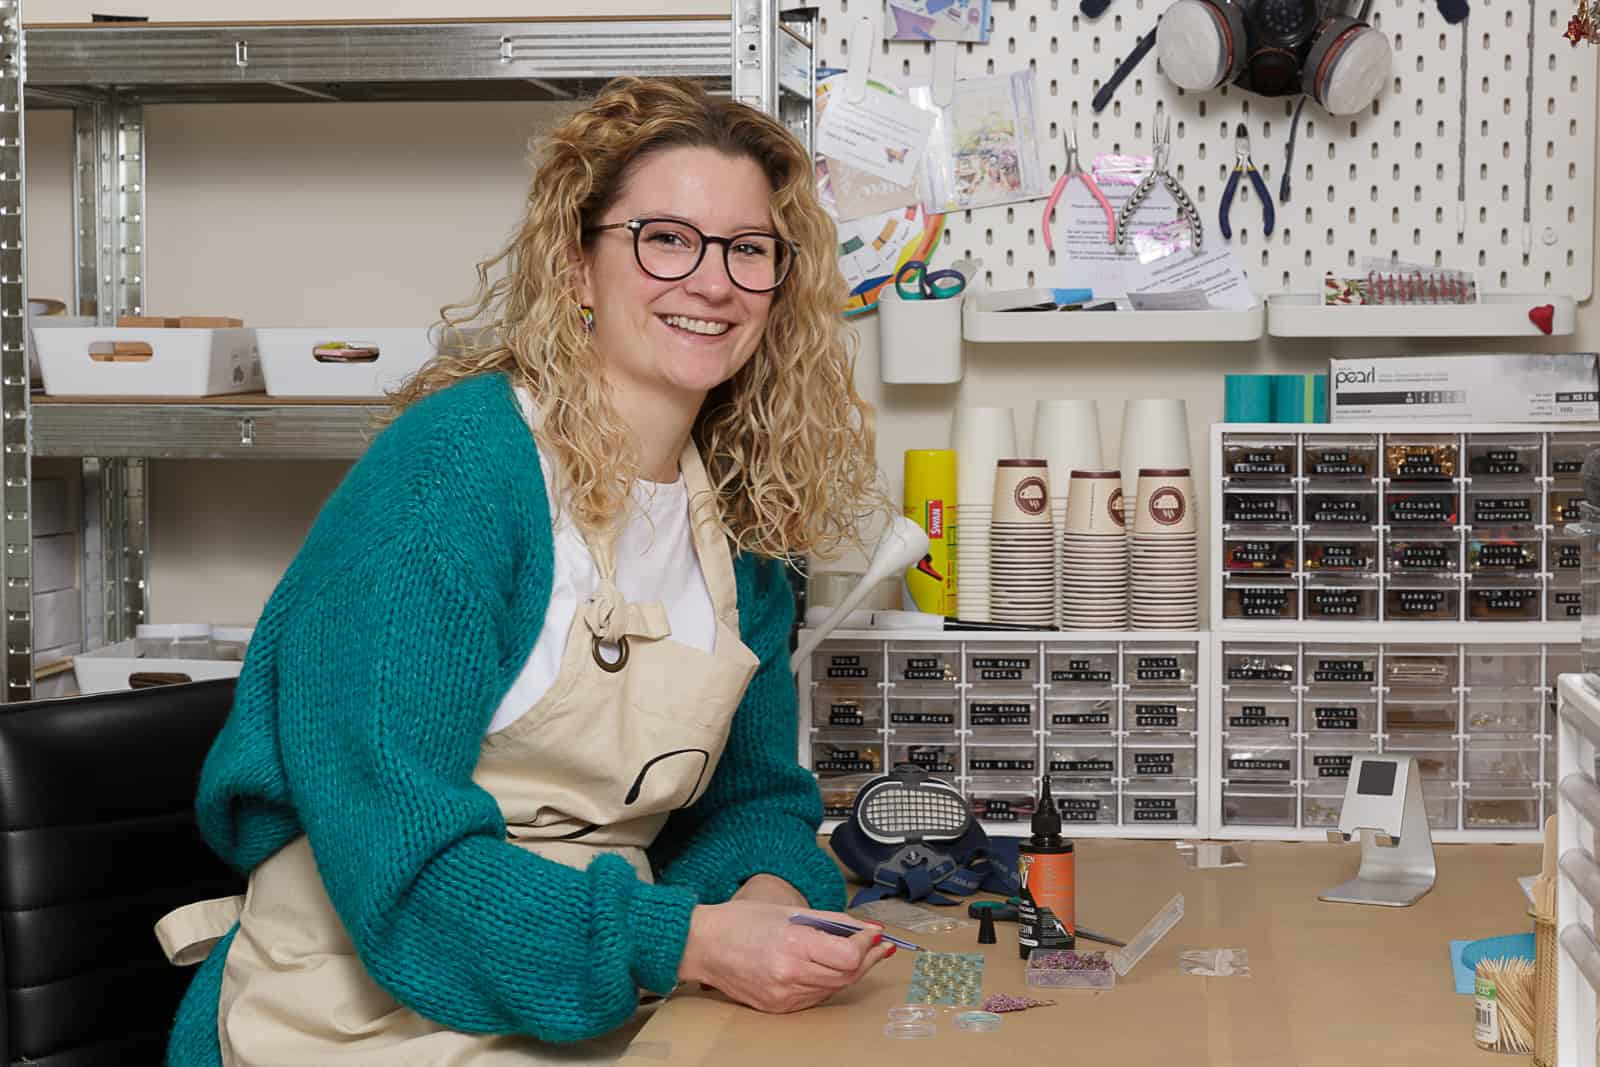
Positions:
{"x": 1071, "y": 171}
{"x": 926, "y": 284}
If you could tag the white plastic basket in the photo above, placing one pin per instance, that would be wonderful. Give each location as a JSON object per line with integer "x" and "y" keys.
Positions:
{"x": 112, "y": 668}
{"x": 175, "y": 362}
{"x": 290, "y": 362}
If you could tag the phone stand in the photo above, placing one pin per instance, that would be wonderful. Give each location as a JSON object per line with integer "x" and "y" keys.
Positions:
{"x": 1383, "y": 806}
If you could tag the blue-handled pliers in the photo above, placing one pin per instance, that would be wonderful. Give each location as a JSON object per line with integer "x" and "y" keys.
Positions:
{"x": 1243, "y": 162}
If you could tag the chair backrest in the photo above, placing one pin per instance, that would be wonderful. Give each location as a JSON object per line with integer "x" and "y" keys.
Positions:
{"x": 97, "y": 842}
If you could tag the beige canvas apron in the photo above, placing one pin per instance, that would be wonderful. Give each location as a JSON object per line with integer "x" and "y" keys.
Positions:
{"x": 630, "y": 730}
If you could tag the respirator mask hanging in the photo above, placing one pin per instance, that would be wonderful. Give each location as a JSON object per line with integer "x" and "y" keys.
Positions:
{"x": 1276, "y": 48}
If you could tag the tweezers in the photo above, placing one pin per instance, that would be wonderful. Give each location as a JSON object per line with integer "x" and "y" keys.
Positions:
{"x": 839, "y": 929}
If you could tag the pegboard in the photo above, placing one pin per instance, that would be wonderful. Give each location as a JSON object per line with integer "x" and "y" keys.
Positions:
{"x": 1380, "y": 183}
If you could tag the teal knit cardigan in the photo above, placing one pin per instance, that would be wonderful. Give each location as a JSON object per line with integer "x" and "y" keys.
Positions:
{"x": 371, "y": 678}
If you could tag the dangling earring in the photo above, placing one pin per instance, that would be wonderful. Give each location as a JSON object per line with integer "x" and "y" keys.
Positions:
{"x": 588, "y": 317}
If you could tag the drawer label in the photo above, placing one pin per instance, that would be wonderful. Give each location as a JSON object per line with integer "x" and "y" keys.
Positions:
{"x": 989, "y": 764}
{"x": 1340, "y": 509}
{"x": 1088, "y": 718}
{"x": 1342, "y": 670}
{"x": 1335, "y": 717}
{"x": 1332, "y": 766}
{"x": 1154, "y": 715}
{"x": 845, "y": 715}
{"x": 922, "y": 718}
{"x": 1489, "y": 510}
{"x": 1252, "y": 764}
{"x": 1001, "y": 714}
{"x": 1083, "y": 766}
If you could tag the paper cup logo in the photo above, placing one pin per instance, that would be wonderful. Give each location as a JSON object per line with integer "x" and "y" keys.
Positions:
{"x": 1114, "y": 507}
{"x": 1167, "y": 506}
{"x": 1032, "y": 495}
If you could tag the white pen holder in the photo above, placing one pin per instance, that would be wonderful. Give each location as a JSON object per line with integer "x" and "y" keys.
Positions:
{"x": 919, "y": 341}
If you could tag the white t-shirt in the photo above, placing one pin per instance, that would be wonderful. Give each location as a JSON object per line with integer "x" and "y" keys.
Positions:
{"x": 656, "y": 560}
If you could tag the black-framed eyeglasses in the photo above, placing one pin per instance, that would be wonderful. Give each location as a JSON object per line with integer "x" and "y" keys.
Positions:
{"x": 670, "y": 250}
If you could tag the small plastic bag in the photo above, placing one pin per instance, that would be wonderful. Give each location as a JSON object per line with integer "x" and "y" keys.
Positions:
{"x": 892, "y": 911}
{"x": 1216, "y": 963}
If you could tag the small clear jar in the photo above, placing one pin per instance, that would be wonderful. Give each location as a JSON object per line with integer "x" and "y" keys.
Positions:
{"x": 230, "y": 642}
{"x": 173, "y": 640}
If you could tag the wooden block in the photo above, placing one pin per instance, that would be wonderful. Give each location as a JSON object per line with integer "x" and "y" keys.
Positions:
{"x": 146, "y": 322}
{"x": 208, "y": 322}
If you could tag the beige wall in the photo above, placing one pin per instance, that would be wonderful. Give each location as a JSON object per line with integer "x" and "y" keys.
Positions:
{"x": 376, "y": 214}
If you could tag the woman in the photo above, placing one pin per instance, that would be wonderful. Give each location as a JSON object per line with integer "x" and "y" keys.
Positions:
{"x": 515, "y": 739}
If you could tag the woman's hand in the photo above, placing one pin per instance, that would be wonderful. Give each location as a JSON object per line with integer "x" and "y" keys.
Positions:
{"x": 750, "y": 951}
{"x": 773, "y": 890}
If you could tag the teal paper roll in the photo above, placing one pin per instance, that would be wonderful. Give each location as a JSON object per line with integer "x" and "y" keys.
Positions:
{"x": 1320, "y": 397}
{"x": 1247, "y": 398}
{"x": 1289, "y": 398}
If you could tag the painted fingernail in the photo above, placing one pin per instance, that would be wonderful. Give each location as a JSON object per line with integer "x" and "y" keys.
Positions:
{"x": 891, "y": 952}
{"x": 876, "y": 938}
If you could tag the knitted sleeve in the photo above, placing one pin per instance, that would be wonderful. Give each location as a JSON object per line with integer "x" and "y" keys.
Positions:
{"x": 761, "y": 812}
{"x": 387, "y": 681}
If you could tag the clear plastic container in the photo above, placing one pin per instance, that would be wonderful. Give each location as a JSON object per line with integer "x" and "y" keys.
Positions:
{"x": 833, "y": 757}
{"x": 1322, "y": 803}
{"x": 1258, "y": 805}
{"x": 1260, "y": 717}
{"x": 1002, "y": 799}
{"x": 1414, "y": 716}
{"x": 1566, "y": 505}
{"x": 1421, "y": 457}
{"x": 1091, "y": 756}
{"x": 1047, "y": 969}
{"x": 1243, "y": 553}
{"x": 1436, "y": 754}
{"x": 1502, "y": 666}
{"x": 1331, "y": 762}
{"x": 924, "y": 666}
{"x": 1086, "y": 804}
{"x": 992, "y": 715}
{"x": 1158, "y": 802}
{"x": 1144, "y": 712}
{"x": 1421, "y": 509}
{"x": 1508, "y": 553}
{"x": 1498, "y": 809}
{"x": 1502, "y": 759}
{"x": 1564, "y": 603}
{"x": 1260, "y": 598}
{"x": 1162, "y": 757}
{"x": 1001, "y": 759}
{"x": 1341, "y": 553}
{"x": 1260, "y": 507}
{"x": 1345, "y": 668}
{"x": 1513, "y": 457}
{"x": 846, "y": 709}
{"x": 1337, "y": 717}
{"x": 1089, "y": 667}
{"x": 174, "y": 640}
{"x": 1268, "y": 762}
{"x": 1505, "y": 506}
{"x": 1002, "y": 665}
{"x": 1076, "y": 714}
{"x": 936, "y": 714}
{"x": 942, "y": 759}
{"x": 1442, "y": 802}
{"x": 1342, "y": 508}
{"x": 839, "y": 793}
{"x": 231, "y": 642}
{"x": 1422, "y": 600}
{"x": 1159, "y": 666}
{"x": 1565, "y": 555}
{"x": 1332, "y": 599}
{"x": 1259, "y": 666}
{"x": 1504, "y": 600}
{"x": 841, "y": 662}
{"x": 1258, "y": 459}
{"x": 1351, "y": 458}
{"x": 1421, "y": 555}
{"x": 1434, "y": 667}
{"x": 1491, "y": 712}
{"x": 1566, "y": 455}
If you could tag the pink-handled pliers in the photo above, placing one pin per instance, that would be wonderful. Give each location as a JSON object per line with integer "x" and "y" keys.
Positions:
{"x": 1070, "y": 171}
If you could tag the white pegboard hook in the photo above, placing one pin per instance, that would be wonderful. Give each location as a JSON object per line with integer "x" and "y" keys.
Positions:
{"x": 944, "y": 73}
{"x": 863, "y": 38}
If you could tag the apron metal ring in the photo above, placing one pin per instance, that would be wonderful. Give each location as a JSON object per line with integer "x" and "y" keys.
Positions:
{"x": 611, "y": 666}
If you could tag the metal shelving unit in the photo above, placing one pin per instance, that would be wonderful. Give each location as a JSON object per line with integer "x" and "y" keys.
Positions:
{"x": 108, "y": 73}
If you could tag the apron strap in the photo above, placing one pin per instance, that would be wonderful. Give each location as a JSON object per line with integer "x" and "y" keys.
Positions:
{"x": 611, "y": 618}
{"x": 188, "y": 934}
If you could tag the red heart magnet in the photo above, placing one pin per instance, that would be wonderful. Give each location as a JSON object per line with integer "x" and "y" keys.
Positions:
{"x": 1543, "y": 316}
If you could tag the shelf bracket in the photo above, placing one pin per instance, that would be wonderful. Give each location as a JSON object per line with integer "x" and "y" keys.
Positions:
{"x": 16, "y": 464}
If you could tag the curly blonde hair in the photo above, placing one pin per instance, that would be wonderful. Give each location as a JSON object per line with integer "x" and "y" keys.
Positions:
{"x": 788, "y": 443}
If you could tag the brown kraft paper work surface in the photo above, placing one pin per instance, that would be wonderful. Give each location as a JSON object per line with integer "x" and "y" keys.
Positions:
{"x": 1330, "y": 984}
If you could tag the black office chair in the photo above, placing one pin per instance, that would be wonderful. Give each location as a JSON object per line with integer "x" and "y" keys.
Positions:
{"x": 97, "y": 842}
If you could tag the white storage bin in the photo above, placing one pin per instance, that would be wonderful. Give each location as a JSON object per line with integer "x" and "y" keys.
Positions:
{"x": 180, "y": 362}
{"x": 291, "y": 365}
{"x": 116, "y": 667}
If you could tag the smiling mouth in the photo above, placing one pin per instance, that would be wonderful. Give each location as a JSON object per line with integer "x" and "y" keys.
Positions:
{"x": 703, "y": 327}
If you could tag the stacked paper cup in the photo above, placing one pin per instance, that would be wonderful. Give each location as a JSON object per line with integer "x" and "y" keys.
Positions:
{"x": 1022, "y": 545}
{"x": 981, "y": 436}
{"x": 1066, "y": 434}
{"x": 1155, "y": 434}
{"x": 1094, "y": 554}
{"x": 1165, "y": 572}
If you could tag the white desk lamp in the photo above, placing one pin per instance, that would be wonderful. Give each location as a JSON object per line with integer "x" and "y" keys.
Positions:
{"x": 901, "y": 545}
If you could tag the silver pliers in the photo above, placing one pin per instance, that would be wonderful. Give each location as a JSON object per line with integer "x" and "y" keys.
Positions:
{"x": 1243, "y": 162}
{"x": 1161, "y": 142}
